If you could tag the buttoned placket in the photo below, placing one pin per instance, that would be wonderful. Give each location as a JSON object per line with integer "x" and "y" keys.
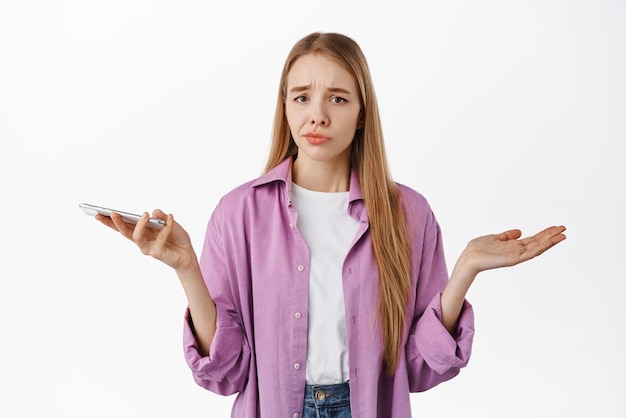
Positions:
{"x": 356, "y": 210}
{"x": 299, "y": 308}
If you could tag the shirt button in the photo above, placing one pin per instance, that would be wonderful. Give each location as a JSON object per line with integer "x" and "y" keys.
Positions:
{"x": 296, "y": 366}
{"x": 300, "y": 267}
{"x": 298, "y": 315}
{"x": 296, "y": 415}
{"x": 291, "y": 226}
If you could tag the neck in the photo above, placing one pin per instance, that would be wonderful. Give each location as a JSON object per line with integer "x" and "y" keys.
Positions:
{"x": 321, "y": 176}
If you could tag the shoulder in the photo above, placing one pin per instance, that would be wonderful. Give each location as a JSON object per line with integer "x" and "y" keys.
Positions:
{"x": 418, "y": 211}
{"x": 266, "y": 186}
{"x": 412, "y": 199}
{"x": 246, "y": 206}
{"x": 243, "y": 195}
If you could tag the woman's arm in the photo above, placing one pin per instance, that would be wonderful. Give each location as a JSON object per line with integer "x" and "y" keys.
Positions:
{"x": 172, "y": 246}
{"x": 490, "y": 252}
{"x": 201, "y": 307}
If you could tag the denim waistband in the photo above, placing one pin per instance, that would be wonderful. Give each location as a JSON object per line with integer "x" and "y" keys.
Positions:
{"x": 327, "y": 395}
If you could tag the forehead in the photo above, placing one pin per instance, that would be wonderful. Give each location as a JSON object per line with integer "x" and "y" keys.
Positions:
{"x": 318, "y": 70}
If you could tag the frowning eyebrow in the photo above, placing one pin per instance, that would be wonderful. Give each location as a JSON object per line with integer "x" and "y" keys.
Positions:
{"x": 299, "y": 89}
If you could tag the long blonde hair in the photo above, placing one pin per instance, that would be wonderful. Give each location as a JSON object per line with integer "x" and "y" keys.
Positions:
{"x": 388, "y": 227}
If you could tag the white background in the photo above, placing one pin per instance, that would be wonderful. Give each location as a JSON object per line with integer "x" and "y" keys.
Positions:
{"x": 503, "y": 114}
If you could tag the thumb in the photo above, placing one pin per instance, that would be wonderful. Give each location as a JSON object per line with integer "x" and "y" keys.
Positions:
{"x": 509, "y": 235}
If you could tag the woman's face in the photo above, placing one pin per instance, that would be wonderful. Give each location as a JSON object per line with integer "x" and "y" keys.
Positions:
{"x": 322, "y": 108}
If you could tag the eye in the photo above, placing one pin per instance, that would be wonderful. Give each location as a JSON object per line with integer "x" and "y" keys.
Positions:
{"x": 301, "y": 99}
{"x": 337, "y": 99}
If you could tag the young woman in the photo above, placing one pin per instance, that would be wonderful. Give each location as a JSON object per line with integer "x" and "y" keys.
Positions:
{"x": 322, "y": 288}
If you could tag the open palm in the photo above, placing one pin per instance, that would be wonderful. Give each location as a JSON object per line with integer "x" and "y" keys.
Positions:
{"x": 507, "y": 249}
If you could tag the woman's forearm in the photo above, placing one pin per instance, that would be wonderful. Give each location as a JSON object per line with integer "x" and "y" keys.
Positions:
{"x": 453, "y": 296}
{"x": 489, "y": 252}
{"x": 201, "y": 306}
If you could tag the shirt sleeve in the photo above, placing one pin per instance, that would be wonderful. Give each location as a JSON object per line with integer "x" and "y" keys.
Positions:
{"x": 225, "y": 369}
{"x": 433, "y": 354}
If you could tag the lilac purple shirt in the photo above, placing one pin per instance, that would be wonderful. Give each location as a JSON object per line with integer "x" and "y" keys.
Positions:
{"x": 255, "y": 264}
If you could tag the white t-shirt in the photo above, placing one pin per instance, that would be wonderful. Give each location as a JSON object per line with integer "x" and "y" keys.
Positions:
{"x": 328, "y": 230}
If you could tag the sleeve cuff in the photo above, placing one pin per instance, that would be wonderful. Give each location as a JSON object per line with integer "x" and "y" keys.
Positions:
{"x": 432, "y": 341}
{"x": 227, "y": 348}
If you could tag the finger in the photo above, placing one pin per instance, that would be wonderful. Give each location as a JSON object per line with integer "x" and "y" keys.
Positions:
{"x": 550, "y": 234}
{"x": 139, "y": 233}
{"x": 162, "y": 238}
{"x": 544, "y": 240}
{"x": 159, "y": 214}
{"x": 509, "y": 235}
{"x": 106, "y": 221}
{"x": 125, "y": 229}
{"x": 554, "y": 234}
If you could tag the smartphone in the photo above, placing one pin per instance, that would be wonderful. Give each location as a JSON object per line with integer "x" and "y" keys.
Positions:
{"x": 131, "y": 218}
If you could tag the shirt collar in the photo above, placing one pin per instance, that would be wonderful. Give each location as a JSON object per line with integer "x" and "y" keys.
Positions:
{"x": 282, "y": 172}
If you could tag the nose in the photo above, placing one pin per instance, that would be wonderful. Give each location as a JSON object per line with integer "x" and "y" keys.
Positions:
{"x": 319, "y": 115}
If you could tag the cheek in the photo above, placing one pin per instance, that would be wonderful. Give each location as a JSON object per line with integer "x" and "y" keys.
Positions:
{"x": 295, "y": 119}
{"x": 351, "y": 120}
{"x": 290, "y": 123}
{"x": 289, "y": 115}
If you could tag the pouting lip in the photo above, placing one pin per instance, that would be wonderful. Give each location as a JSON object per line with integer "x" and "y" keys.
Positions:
{"x": 315, "y": 135}
{"x": 316, "y": 139}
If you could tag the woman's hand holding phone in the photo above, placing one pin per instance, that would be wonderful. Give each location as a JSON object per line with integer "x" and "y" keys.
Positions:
{"x": 171, "y": 244}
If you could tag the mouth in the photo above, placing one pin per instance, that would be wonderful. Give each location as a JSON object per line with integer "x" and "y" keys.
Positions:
{"x": 316, "y": 139}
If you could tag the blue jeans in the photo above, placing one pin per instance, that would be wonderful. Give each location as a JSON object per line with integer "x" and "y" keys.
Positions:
{"x": 327, "y": 401}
